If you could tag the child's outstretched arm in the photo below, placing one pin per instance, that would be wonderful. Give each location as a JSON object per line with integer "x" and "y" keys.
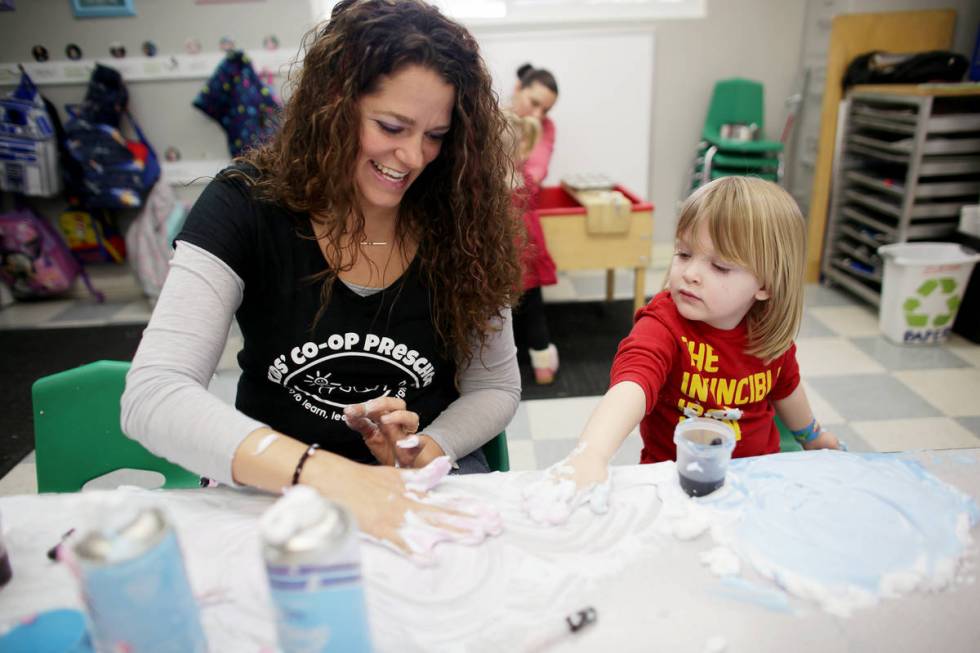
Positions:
{"x": 583, "y": 476}
{"x": 617, "y": 414}
{"x": 796, "y": 414}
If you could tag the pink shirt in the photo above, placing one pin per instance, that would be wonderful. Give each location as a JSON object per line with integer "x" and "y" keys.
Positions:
{"x": 536, "y": 166}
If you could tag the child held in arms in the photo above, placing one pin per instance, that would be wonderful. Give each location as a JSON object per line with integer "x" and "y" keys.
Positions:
{"x": 717, "y": 342}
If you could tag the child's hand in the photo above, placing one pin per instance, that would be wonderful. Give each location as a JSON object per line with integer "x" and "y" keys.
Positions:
{"x": 826, "y": 440}
{"x": 578, "y": 479}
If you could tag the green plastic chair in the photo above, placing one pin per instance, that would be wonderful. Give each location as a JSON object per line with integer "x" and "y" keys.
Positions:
{"x": 720, "y": 172}
{"x": 496, "y": 452}
{"x": 746, "y": 162}
{"x": 77, "y": 434}
{"x": 738, "y": 101}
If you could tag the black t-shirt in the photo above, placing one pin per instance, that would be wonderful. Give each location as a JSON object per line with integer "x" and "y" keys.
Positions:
{"x": 296, "y": 380}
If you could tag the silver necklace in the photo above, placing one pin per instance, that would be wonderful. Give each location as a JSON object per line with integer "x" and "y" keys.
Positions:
{"x": 374, "y": 242}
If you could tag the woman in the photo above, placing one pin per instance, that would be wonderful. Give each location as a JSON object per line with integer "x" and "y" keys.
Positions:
{"x": 368, "y": 254}
{"x": 535, "y": 94}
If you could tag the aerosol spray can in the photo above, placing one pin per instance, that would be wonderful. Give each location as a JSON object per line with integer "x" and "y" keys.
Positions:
{"x": 134, "y": 585}
{"x": 312, "y": 559}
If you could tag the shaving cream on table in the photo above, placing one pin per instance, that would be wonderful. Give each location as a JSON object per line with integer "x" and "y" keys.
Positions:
{"x": 863, "y": 529}
{"x": 839, "y": 531}
{"x": 845, "y": 530}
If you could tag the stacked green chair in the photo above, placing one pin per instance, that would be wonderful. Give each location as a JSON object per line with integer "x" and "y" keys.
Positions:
{"x": 736, "y": 104}
{"x": 77, "y": 434}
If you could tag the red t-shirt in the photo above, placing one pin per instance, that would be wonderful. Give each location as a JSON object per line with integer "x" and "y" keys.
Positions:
{"x": 681, "y": 363}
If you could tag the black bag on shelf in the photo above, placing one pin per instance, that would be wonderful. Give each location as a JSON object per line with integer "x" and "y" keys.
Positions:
{"x": 878, "y": 67}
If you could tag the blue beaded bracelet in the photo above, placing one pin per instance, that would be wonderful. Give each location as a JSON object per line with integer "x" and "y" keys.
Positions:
{"x": 808, "y": 433}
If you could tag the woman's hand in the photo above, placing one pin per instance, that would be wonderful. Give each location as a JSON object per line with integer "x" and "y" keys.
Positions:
{"x": 583, "y": 477}
{"x": 394, "y": 508}
{"x": 388, "y": 429}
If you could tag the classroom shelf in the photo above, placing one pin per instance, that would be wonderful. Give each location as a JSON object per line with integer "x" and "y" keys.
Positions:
{"x": 845, "y": 279}
{"x": 940, "y": 145}
{"x": 862, "y": 234}
{"x": 904, "y": 167}
{"x": 920, "y": 210}
{"x": 907, "y": 120}
{"x": 924, "y": 189}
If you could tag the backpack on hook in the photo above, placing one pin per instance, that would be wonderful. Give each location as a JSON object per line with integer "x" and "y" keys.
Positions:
{"x": 29, "y": 156}
{"x": 115, "y": 172}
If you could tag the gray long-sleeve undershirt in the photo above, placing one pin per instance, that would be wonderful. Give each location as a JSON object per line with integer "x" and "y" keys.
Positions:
{"x": 166, "y": 405}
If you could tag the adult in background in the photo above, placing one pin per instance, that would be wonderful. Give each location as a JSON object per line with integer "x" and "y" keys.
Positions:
{"x": 368, "y": 253}
{"x": 534, "y": 95}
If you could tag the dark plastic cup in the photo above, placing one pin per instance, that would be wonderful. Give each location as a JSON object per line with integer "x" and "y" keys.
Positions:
{"x": 704, "y": 447}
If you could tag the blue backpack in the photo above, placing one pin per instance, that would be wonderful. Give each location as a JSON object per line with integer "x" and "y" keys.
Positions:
{"x": 115, "y": 172}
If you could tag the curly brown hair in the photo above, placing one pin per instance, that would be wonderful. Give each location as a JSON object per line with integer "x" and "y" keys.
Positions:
{"x": 459, "y": 208}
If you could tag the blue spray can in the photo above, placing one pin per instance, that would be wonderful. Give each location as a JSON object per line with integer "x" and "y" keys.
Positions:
{"x": 135, "y": 587}
{"x": 313, "y": 563}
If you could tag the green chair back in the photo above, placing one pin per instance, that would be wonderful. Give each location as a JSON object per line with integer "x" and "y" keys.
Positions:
{"x": 719, "y": 172}
{"x": 734, "y": 100}
{"x": 77, "y": 433}
{"x": 786, "y": 440}
{"x": 496, "y": 452}
{"x": 748, "y": 162}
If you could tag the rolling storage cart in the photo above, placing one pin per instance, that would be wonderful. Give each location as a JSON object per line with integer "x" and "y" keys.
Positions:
{"x": 907, "y": 159}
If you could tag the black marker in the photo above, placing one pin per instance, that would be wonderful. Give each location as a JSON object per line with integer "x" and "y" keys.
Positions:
{"x": 572, "y": 624}
{"x": 53, "y": 551}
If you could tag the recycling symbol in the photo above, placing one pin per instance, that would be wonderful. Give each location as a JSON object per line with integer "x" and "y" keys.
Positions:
{"x": 914, "y": 309}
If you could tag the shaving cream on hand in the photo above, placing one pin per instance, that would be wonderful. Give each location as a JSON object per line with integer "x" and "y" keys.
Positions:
{"x": 566, "y": 485}
{"x": 460, "y": 519}
{"x": 469, "y": 523}
{"x": 424, "y": 479}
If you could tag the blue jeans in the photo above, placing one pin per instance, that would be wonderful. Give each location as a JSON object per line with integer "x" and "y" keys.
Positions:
{"x": 474, "y": 463}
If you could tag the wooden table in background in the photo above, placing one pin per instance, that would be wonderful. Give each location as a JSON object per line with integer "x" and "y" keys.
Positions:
{"x": 573, "y": 247}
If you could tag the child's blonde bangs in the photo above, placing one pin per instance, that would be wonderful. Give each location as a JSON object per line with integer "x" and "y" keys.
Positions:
{"x": 713, "y": 207}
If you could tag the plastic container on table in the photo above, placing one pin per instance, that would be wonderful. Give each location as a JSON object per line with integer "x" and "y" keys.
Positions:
{"x": 704, "y": 448}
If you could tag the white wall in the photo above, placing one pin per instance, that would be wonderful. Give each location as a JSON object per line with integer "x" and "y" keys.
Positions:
{"x": 603, "y": 114}
{"x": 757, "y": 39}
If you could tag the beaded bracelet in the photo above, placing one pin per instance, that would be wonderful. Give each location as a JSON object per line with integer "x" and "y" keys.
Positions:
{"x": 302, "y": 461}
{"x": 808, "y": 433}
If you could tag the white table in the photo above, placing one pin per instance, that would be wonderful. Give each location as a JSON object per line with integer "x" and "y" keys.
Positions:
{"x": 651, "y": 591}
